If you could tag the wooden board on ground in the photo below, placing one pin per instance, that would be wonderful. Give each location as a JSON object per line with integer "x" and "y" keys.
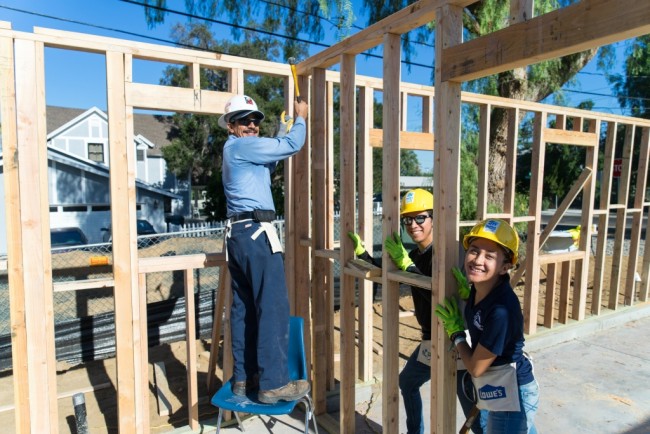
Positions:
{"x": 162, "y": 389}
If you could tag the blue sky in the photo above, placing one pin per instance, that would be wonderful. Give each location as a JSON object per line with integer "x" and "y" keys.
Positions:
{"x": 76, "y": 80}
{"x": 113, "y": 18}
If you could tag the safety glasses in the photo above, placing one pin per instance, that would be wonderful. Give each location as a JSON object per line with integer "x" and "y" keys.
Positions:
{"x": 419, "y": 219}
{"x": 246, "y": 121}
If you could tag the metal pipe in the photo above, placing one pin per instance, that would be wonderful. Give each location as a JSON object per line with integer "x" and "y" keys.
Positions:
{"x": 79, "y": 403}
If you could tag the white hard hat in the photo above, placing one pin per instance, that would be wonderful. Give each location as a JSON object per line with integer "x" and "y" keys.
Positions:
{"x": 238, "y": 106}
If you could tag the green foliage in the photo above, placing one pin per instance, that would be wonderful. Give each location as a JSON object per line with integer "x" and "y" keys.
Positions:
{"x": 532, "y": 83}
{"x": 196, "y": 150}
{"x": 469, "y": 164}
{"x": 490, "y": 16}
{"x": 270, "y": 18}
{"x": 409, "y": 163}
{"x": 409, "y": 166}
{"x": 563, "y": 166}
{"x": 215, "y": 203}
{"x": 633, "y": 88}
{"x": 468, "y": 186}
{"x": 521, "y": 209}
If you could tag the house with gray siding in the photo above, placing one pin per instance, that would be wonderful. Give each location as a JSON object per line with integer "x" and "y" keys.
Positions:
{"x": 78, "y": 172}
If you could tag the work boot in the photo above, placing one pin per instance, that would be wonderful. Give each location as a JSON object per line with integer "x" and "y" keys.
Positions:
{"x": 290, "y": 392}
{"x": 242, "y": 388}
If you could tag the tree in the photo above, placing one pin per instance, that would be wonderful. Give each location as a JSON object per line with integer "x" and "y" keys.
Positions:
{"x": 196, "y": 151}
{"x": 294, "y": 18}
{"x": 633, "y": 88}
{"x": 409, "y": 164}
{"x": 533, "y": 83}
{"x": 269, "y": 19}
{"x": 633, "y": 91}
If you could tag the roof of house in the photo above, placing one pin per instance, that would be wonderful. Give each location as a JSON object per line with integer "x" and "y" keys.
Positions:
{"x": 409, "y": 182}
{"x": 158, "y": 129}
{"x": 68, "y": 159}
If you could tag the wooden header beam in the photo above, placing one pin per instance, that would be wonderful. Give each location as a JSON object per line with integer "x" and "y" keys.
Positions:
{"x": 565, "y": 137}
{"x": 158, "y": 97}
{"x": 580, "y": 26}
{"x": 408, "y": 140}
{"x": 145, "y": 51}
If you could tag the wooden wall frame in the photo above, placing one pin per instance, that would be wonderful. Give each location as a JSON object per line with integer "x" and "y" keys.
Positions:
{"x": 310, "y": 242}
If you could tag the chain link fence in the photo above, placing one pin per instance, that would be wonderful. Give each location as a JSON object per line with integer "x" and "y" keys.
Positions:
{"x": 83, "y": 311}
{"x": 84, "y": 319}
{"x": 95, "y": 261}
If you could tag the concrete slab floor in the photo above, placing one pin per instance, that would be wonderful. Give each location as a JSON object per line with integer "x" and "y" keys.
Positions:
{"x": 594, "y": 377}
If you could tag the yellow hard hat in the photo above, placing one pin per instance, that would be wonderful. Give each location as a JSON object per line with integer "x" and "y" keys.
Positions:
{"x": 496, "y": 230}
{"x": 417, "y": 200}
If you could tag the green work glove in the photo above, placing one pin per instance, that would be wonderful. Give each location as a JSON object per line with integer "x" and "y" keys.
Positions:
{"x": 359, "y": 248}
{"x": 450, "y": 315}
{"x": 463, "y": 285}
{"x": 397, "y": 252}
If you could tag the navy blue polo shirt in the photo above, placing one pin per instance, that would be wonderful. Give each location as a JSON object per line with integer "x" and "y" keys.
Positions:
{"x": 497, "y": 323}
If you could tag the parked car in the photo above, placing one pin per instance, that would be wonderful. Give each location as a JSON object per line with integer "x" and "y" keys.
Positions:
{"x": 144, "y": 230}
{"x": 67, "y": 237}
{"x": 144, "y": 227}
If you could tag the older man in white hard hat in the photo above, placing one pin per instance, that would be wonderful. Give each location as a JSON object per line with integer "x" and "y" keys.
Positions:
{"x": 260, "y": 309}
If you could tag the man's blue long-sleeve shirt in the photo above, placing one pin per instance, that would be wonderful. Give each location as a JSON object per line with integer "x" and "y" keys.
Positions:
{"x": 248, "y": 163}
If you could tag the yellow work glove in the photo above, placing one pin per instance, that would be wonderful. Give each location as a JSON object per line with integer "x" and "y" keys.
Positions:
{"x": 463, "y": 284}
{"x": 286, "y": 122}
{"x": 397, "y": 252}
{"x": 359, "y": 248}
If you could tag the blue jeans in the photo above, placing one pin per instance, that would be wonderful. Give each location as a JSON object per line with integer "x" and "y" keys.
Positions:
{"x": 259, "y": 316}
{"x": 514, "y": 422}
{"x": 412, "y": 377}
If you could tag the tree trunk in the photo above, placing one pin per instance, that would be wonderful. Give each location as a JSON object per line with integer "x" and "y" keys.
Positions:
{"x": 517, "y": 84}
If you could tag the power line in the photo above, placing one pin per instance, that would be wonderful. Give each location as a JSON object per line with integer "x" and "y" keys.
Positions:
{"x": 139, "y": 35}
{"x": 225, "y": 23}
{"x": 640, "y": 98}
{"x": 167, "y": 41}
{"x": 309, "y": 14}
{"x": 602, "y": 74}
{"x": 111, "y": 29}
{"x": 320, "y": 17}
{"x": 265, "y": 32}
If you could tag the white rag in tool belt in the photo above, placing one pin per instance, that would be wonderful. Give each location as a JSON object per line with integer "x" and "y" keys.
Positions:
{"x": 271, "y": 234}
{"x": 226, "y": 236}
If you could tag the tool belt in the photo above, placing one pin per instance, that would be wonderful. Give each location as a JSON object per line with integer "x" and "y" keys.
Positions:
{"x": 271, "y": 235}
{"x": 424, "y": 353}
{"x": 497, "y": 388}
{"x": 258, "y": 215}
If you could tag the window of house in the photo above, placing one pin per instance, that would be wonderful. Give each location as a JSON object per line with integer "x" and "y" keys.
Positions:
{"x": 96, "y": 152}
{"x": 140, "y": 154}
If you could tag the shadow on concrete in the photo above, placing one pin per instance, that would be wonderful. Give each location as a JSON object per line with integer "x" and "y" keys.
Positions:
{"x": 644, "y": 428}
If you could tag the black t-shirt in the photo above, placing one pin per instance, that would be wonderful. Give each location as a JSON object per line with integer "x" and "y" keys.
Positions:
{"x": 422, "y": 264}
